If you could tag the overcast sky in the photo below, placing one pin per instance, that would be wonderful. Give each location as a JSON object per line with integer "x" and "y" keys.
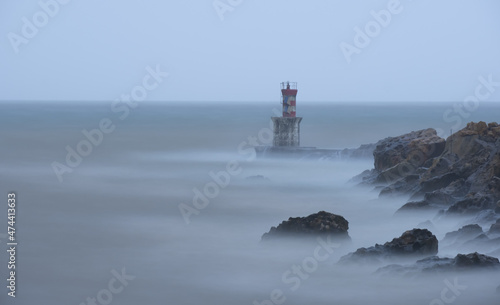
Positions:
{"x": 96, "y": 50}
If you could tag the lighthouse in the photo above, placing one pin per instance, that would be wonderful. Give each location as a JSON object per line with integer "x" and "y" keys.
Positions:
{"x": 287, "y": 127}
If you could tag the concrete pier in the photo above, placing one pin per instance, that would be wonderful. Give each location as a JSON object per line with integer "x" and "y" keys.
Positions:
{"x": 286, "y": 131}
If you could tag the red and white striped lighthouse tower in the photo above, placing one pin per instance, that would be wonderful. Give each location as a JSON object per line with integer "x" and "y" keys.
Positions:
{"x": 289, "y": 99}
{"x": 287, "y": 127}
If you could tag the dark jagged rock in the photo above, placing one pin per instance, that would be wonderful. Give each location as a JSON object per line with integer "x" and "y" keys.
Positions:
{"x": 436, "y": 183}
{"x": 321, "y": 223}
{"x": 475, "y": 260}
{"x": 415, "y": 147}
{"x": 471, "y": 205}
{"x": 460, "y": 175}
{"x": 435, "y": 200}
{"x": 439, "y": 198}
{"x": 398, "y": 157}
{"x": 462, "y": 262}
{"x": 396, "y": 173}
{"x": 414, "y": 243}
{"x": 474, "y": 155}
{"x": 403, "y": 186}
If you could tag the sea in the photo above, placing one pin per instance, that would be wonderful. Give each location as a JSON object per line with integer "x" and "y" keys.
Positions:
{"x": 166, "y": 203}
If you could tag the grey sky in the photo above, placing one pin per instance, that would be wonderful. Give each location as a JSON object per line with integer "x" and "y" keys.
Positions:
{"x": 96, "y": 50}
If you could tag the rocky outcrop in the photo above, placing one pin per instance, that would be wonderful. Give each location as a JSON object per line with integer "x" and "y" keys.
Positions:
{"x": 472, "y": 155}
{"x": 414, "y": 148}
{"x": 399, "y": 157}
{"x": 475, "y": 260}
{"x": 461, "y": 262}
{"x": 412, "y": 243}
{"x": 472, "y": 205}
{"x": 460, "y": 175}
{"x": 321, "y": 223}
{"x": 456, "y": 179}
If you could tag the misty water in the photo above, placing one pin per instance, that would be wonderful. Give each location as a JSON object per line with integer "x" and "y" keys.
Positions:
{"x": 118, "y": 211}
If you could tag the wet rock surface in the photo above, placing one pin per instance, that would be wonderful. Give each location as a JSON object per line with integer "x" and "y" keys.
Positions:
{"x": 412, "y": 243}
{"x": 460, "y": 175}
{"x": 413, "y": 148}
{"x": 321, "y": 223}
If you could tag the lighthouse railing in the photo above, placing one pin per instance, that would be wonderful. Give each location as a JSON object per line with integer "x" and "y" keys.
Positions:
{"x": 293, "y": 85}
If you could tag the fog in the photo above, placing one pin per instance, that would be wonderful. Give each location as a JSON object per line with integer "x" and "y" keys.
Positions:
{"x": 71, "y": 238}
{"x": 120, "y": 209}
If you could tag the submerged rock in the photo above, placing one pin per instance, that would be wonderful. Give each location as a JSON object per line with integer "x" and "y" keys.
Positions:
{"x": 461, "y": 262}
{"x": 365, "y": 151}
{"x": 321, "y": 223}
{"x": 257, "y": 178}
{"x": 427, "y": 225}
{"x": 471, "y": 238}
{"x": 462, "y": 235}
{"x": 495, "y": 228}
{"x": 485, "y": 218}
{"x": 413, "y": 243}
